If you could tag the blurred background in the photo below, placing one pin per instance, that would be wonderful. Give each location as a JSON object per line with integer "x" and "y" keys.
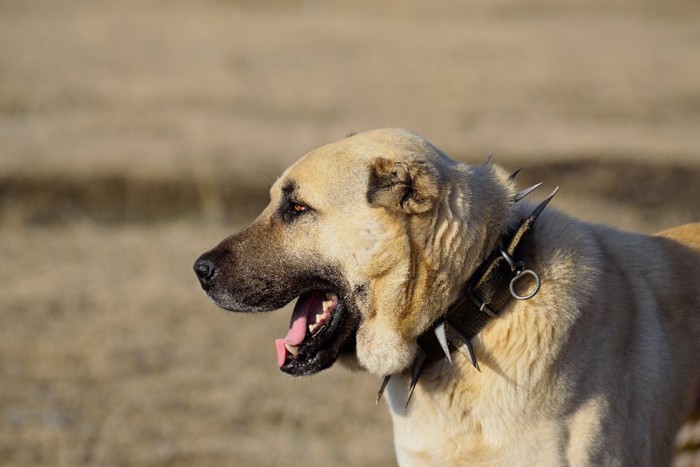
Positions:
{"x": 134, "y": 135}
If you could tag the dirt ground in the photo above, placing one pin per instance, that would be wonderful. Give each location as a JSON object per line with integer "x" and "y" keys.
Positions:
{"x": 134, "y": 135}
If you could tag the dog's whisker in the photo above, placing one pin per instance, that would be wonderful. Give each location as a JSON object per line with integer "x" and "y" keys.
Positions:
{"x": 385, "y": 381}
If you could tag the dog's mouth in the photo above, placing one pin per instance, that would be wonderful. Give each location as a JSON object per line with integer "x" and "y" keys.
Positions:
{"x": 319, "y": 331}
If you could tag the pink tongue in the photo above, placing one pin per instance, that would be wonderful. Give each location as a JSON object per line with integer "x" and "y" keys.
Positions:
{"x": 297, "y": 327}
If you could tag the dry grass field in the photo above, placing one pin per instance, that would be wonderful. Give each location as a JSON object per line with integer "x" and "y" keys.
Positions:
{"x": 134, "y": 135}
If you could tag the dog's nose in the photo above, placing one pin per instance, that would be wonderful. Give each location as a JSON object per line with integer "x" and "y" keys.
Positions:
{"x": 205, "y": 270}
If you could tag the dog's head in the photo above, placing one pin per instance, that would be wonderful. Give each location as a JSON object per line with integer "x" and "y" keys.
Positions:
{"x": 374, "y": 234}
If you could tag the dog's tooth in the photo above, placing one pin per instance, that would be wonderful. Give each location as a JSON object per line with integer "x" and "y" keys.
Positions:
{"x": 327, "y": 305}
{"x": 293, "y": 349}
{"x": 312, "y": 327}
{"x": 331, "y": 296}
{"x": 319, "y": 317}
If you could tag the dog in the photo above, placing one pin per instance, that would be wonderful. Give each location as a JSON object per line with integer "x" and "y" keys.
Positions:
{"x": 507, "y": 334}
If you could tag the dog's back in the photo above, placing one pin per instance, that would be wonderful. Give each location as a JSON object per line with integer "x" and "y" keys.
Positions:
{"x": 684, "y": 276}
{"x": 688, "y": 235}
{"x": 688, "y": 441}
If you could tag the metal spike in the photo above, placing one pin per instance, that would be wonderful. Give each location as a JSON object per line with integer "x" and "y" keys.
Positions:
{"x": 442, "y": 339}
{"x": 514, "y": 174}
{"x": 538, "y": 210}
{"x": 488, "y": 159}
{"x": 525, "y": 192}
{"x": 385, "y": 381}
{"x": 415, "y": 374}
{"x": 468, "y": 345}
{"x": 463, "y": 345}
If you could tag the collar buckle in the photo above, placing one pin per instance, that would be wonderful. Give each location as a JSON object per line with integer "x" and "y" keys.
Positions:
{"x": 483, "y": 306}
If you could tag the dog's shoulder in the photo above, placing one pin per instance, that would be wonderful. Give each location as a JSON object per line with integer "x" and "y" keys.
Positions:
{"x": 688, "y": 235}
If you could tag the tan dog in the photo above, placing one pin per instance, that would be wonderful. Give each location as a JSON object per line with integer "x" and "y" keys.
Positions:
{"x": 377, "y": 234}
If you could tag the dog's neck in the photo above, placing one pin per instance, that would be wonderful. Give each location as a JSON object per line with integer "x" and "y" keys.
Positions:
{"x": 492, "y": 285}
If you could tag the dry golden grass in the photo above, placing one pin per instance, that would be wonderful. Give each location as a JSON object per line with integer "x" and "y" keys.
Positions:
{"x": 135, "y": 135}
{"x": 205, "y": 87}
{"x": 111, "y": 356}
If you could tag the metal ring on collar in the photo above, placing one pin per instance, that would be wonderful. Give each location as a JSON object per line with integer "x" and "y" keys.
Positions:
{"x": 519, "y": 276}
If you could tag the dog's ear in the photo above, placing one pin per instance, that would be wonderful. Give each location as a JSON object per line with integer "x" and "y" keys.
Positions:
{"x": 410, "y": 187}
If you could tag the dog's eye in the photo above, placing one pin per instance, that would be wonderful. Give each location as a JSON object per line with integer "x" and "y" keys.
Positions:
{"x": 295, "y": 210}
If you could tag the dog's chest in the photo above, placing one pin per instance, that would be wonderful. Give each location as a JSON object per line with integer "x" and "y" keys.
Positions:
{"x": 431, "y": 430}
{"x": 463, "y": 424}
{"x": 421, "y": 440}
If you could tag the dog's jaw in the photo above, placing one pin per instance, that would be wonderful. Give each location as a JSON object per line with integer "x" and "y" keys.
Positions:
{"x": 382, "y": 351}
{"x": 318, "y": 351}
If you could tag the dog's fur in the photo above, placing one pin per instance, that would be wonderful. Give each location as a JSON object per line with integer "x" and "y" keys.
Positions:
{"x": 596, "y": 369}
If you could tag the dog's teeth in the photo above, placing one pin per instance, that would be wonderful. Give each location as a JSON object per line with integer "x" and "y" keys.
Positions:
{"x": 327, "y": 305}
{"x": 293, "y": 349}
{"x": 319, "y": 317}
{"x": 313, "y": 328}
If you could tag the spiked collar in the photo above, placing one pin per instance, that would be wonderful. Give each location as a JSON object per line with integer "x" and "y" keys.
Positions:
{"x": 493, "y": 284}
